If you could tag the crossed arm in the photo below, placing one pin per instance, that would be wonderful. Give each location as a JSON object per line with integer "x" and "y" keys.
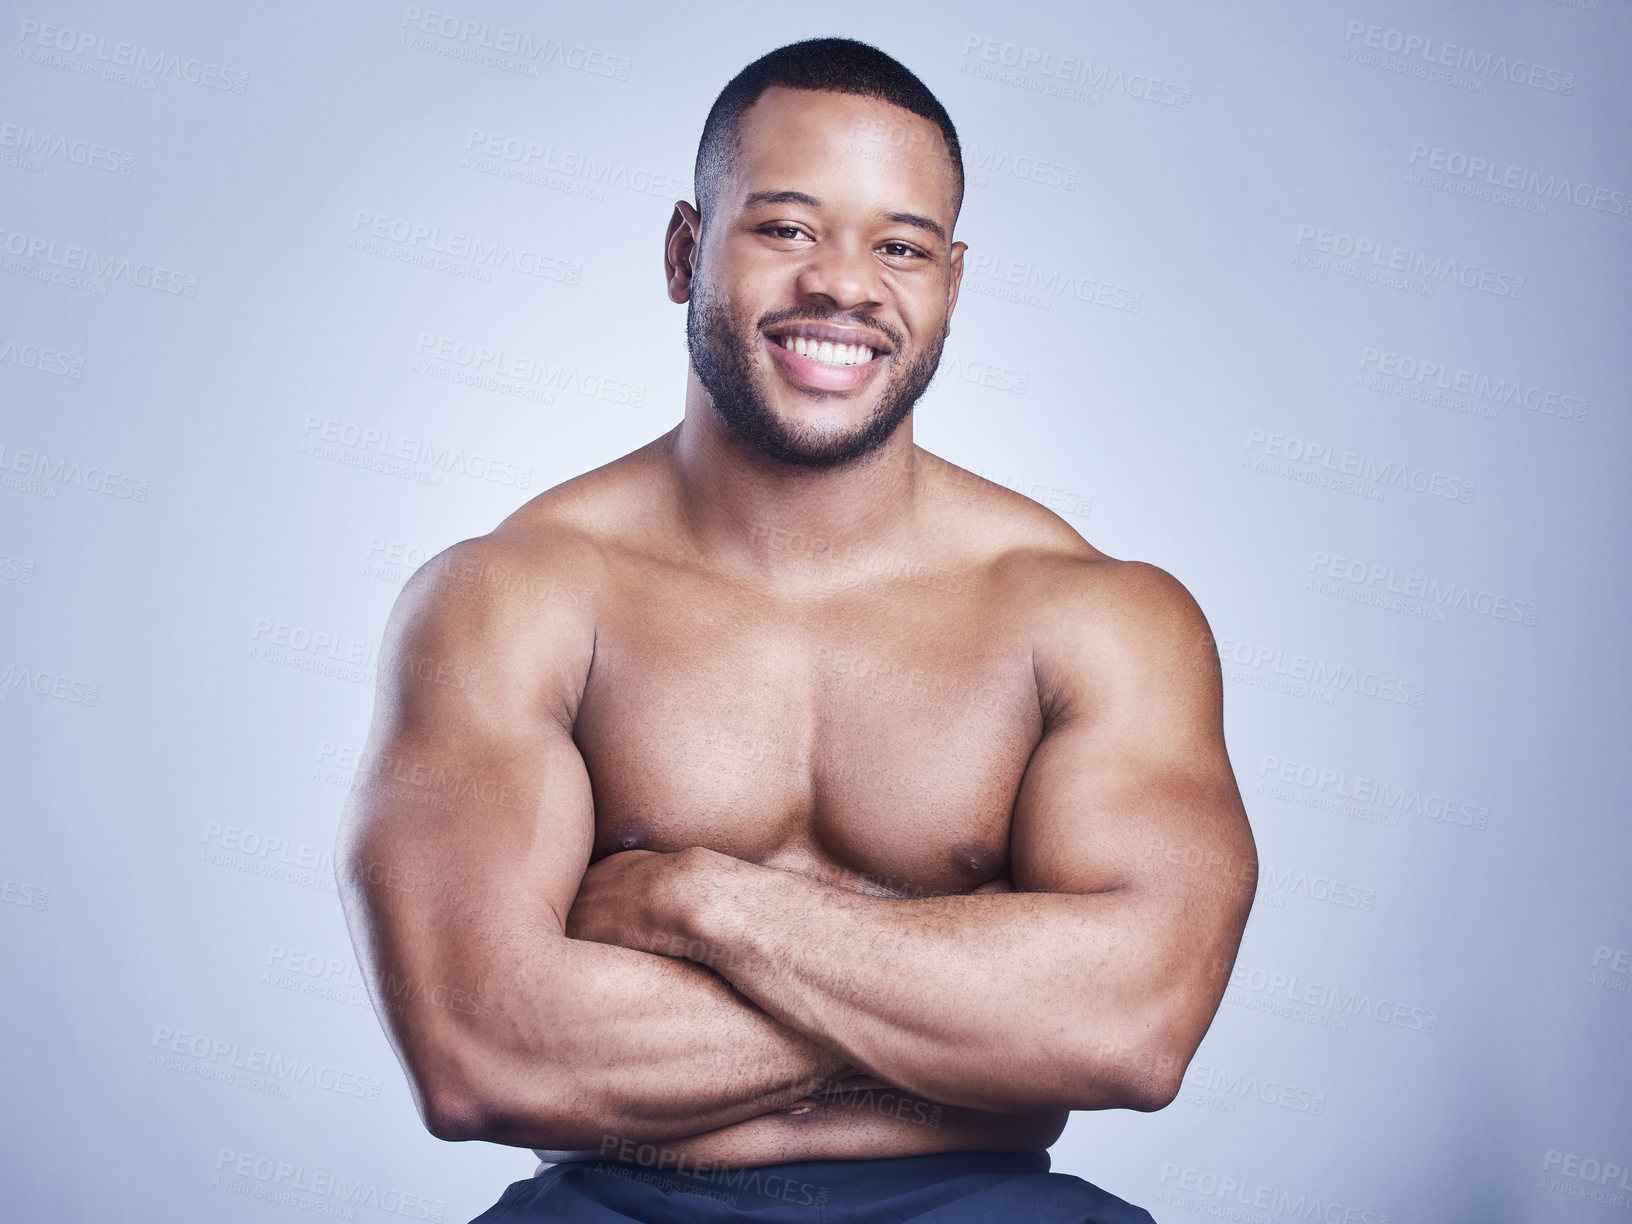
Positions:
{"x": 1088, "y": 987}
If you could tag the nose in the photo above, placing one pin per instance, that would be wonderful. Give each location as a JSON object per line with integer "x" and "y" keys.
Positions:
{"x": 843, "y": 275}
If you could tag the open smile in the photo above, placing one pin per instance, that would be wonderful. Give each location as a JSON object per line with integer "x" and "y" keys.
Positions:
{"x": 827, "y": 357}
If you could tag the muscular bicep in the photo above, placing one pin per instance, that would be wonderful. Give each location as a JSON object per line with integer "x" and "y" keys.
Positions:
{"x": 1130, "y": 794}
{"x": 471, "y": 821}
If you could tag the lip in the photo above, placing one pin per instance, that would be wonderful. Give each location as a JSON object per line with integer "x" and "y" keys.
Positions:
{"x": 834, "y": 333}
{"x": 811, "y": 375}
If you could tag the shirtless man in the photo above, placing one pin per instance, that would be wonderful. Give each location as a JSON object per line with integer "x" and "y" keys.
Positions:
{"x": 779, "y": 818}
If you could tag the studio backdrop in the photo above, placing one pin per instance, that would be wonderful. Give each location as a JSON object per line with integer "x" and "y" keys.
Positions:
{"x": 1322, "y": 308}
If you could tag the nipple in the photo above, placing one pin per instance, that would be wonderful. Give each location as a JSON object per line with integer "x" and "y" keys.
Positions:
{"x": 634, "y": 837}
{"x": 973, "y": 860}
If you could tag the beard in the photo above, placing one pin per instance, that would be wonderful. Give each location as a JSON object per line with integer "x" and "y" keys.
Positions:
{"x": 722, "y": 353}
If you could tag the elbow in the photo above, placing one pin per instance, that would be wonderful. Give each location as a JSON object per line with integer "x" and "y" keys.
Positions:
{"x": 1154, "y": 1087}
{"x": 453, "y": 1083}
{"x": 1145, "y": 1078}
{"x": 1145, "y": 1088}
{"x": 548, "y": 1115}
{"x": 453, "y": 1116}
{"x": 455, "y": 1103}
{"x": 1143, "y": 1072}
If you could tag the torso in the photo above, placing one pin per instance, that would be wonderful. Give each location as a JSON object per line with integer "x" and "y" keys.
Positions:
{"x": 867, "y": 726}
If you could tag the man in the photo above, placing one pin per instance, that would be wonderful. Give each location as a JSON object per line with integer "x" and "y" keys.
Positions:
{"x": 779, "y": 821}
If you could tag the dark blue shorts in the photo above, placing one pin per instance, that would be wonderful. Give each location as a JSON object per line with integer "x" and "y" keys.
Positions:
{"x": 945, "y": 1188}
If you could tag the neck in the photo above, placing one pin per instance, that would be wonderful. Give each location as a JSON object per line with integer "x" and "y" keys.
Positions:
{"x": 737, "y": 500}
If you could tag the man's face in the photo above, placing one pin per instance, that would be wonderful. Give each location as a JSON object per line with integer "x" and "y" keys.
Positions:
{"x": 826, "y": 275}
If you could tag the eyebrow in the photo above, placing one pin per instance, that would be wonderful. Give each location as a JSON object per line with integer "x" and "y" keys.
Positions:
{"x": 918, "y": 222}
{"x": 915, "y": 220}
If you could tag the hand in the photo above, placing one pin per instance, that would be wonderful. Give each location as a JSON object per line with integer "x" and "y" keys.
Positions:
{"x": 637, "y": 899}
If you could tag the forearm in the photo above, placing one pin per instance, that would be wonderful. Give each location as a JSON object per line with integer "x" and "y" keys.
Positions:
{"x": 593, "y": 1041}
{"x": 1004, "y": 1001}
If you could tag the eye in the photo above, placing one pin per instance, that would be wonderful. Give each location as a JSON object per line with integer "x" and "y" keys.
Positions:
{"x": 786, "y": 233}
{"x": 902, "y": 250}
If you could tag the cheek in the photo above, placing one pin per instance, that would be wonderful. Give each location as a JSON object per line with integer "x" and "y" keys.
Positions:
{"x": 923, "y": 306}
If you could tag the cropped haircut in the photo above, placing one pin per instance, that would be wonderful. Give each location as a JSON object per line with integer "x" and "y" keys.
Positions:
{"x": 833, "y": 65}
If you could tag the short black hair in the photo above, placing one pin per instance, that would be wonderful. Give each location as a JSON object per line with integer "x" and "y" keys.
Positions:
{"x": 835, "y": 65}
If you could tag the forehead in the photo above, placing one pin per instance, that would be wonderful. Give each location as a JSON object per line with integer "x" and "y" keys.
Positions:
{"x": 845, "y": 149}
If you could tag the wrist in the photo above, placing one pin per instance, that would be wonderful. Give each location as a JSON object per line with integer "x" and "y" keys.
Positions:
{"x": 708, "y": 910}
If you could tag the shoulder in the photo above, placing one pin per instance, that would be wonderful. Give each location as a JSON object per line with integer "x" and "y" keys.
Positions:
{"x": 1097, "y": 624}
{"x": 1107, "y": 633}
{"x": 997, "y": 522}
{"x": 512, "y": 577}
{"x": 1088, "y": 614}
{"x": 552, "y": 553}
{"x": 516, "y": 608}
{"x": 1032, "y": 552}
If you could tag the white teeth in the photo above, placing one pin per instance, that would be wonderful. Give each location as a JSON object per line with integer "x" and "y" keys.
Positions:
{"x": 827, "y": 352}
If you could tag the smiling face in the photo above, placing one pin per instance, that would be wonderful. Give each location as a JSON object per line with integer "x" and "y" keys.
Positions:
{"x": 826, "y": 274}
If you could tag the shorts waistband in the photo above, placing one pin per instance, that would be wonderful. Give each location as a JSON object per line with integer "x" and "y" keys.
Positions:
{"x": 836, "y": 1183}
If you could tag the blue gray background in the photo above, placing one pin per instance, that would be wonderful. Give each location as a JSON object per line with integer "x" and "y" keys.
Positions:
{"x": 1320, "y": 307}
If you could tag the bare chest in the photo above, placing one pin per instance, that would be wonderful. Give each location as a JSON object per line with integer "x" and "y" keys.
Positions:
{"x": 878, "y": 745}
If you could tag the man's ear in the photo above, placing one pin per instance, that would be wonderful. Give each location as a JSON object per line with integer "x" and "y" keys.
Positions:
{"x": 953, "y": 284}
{"x": 680, "y": 250}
